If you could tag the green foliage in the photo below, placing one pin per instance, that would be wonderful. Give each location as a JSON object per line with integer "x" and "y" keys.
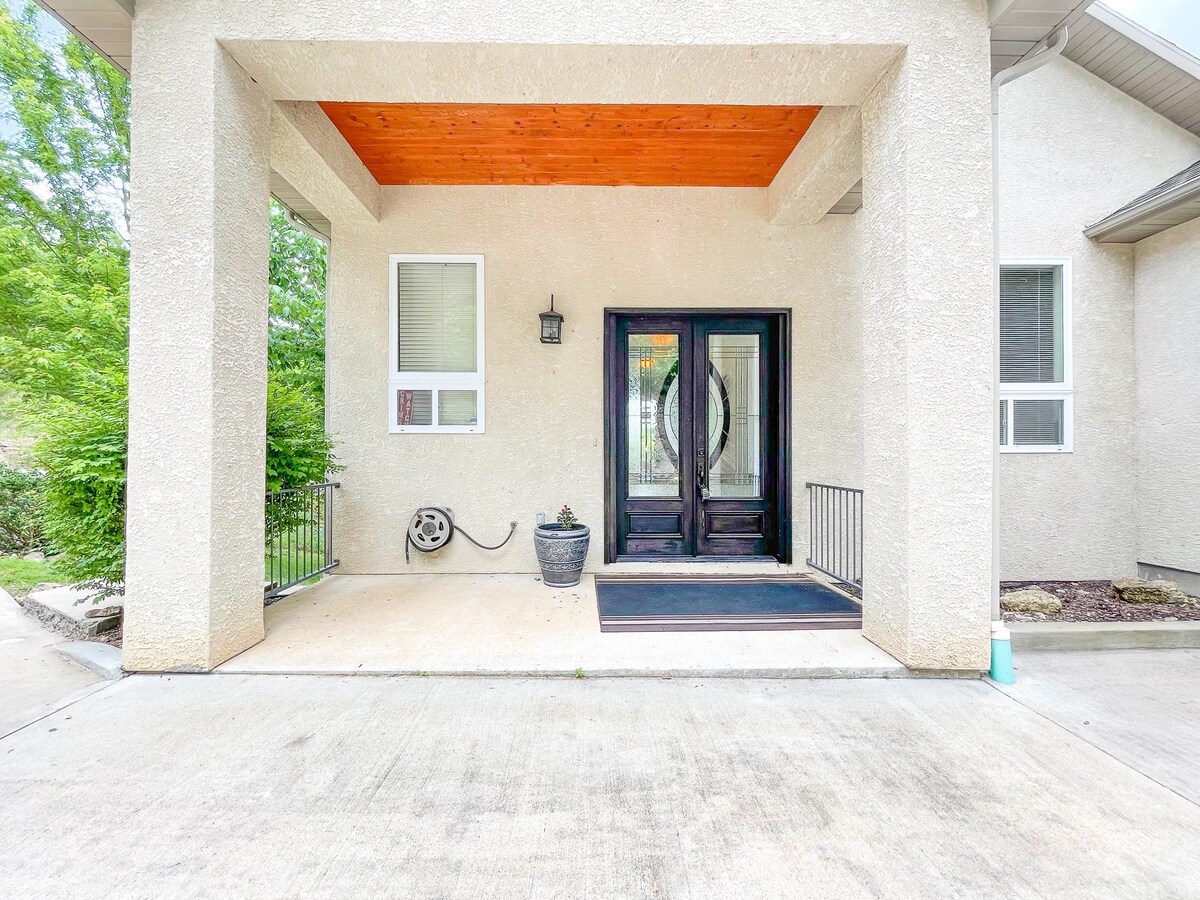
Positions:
{"x": 566, "y": 519}
{"x": 68, "y": 156}
{"x": 20, "y": 511}
{"x": 84, "y": 453}
{"x": 64, "y": 298}
{"x": 296, "y": 345}
{"x": 64, "y": 182}
{"x": 298, "y": 449}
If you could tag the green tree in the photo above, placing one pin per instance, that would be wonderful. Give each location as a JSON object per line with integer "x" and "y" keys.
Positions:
{"x": 64, "y": 188}
{"x": 64, "y": 297}
{"x": 296, "y": 341}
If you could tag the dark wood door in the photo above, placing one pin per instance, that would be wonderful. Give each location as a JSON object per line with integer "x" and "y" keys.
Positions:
{"x": 696, "y": 428}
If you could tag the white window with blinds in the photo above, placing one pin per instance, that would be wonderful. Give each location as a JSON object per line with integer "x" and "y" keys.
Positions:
{"x": 1035, "y": 356}
{"x": 436, "y": 361}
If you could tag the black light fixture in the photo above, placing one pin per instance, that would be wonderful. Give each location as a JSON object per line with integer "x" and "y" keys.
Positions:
{"x": 551, "y": 325}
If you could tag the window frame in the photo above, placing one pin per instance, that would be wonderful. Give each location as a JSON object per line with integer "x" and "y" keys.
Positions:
{"x": 1064, "y": 390}
{"x": 434, "y": 381}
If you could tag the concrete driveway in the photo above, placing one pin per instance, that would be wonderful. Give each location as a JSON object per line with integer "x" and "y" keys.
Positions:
{"x": 1140, "y": 706}
{"x": 286, "y": 786}
{"x": 34, "y": 677}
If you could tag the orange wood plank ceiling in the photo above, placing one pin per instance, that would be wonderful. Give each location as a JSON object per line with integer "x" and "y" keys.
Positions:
{"x": 606, "y": 144}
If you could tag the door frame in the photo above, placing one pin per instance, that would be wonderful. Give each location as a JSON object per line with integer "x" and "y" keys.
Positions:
{"x": 780, "y": 370}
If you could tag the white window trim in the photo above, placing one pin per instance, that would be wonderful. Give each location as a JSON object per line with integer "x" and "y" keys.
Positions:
{"x": 1065, "y": 390}
{"x": 434, "y": 381}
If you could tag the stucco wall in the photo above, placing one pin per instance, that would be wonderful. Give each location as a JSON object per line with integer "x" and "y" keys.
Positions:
{"x": 593, "y": 248}
{"x": 1167, "y": 331}
{"x": 918, "y": 68}
{"x": 1073, "y": 149}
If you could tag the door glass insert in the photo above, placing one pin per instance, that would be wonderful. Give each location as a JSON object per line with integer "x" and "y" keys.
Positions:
{"x": 734, "y": 435}
{"x": 652, "y": 405}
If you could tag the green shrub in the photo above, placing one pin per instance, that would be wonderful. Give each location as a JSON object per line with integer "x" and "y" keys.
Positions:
{"x": 20, "y": 511}
{"x": 84, "y": 455}
{"x": 299, "y": 451}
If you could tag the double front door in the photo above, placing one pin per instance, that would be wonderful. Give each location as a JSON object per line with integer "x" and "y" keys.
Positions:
{"x": 697, "y": 435}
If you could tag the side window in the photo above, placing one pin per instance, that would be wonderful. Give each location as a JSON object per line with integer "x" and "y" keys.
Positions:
{"x": 1035, "y": 357}
{"x": 435, "y": 382}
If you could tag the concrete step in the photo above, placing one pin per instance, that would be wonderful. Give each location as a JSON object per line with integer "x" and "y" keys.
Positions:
{"x": 66, "y": 608}
{"x": 103, "y": 659}
{"x": 1104, "y": 635}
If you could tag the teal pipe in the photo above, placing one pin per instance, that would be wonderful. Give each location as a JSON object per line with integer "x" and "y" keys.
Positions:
{"x": 1002, "y": 662}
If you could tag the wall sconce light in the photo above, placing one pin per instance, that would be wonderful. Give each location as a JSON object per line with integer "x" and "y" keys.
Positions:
{"x": 551, "y": 325}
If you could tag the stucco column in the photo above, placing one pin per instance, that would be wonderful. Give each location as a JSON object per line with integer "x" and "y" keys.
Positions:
{"x": 198, "y": 312}
{"x": 927, "y": 351}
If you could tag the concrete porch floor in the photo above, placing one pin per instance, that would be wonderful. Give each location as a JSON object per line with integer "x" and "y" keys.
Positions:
{"x": 514, "y": 625}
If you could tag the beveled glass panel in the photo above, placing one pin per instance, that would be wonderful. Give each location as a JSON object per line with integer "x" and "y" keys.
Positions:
{"x": 652, "y": 407}
{"x": 734, "y": 436}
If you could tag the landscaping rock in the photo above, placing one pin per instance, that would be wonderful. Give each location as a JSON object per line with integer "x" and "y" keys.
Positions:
{"x": 1031, "y": 600}
{"x": 1138, "y": 590}
{"x": 34, "y": 556}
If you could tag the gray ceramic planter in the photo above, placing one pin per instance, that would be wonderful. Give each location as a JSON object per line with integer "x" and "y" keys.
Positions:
{"x": 561, "y": 553}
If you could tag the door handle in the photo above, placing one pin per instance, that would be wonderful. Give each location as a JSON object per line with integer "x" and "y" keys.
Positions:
{"x": 702, "y": 473}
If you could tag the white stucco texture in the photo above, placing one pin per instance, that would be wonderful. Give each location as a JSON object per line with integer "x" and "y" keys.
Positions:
{"x": 1167, "y": 329}
{"x": 927, "y": 358}
{"x": 820, "y": 170}
{"x": 197, "y": 404}
{"x": 929, "y": 480}
{"x": 917, "y": 68}
{"x": 592, "y": 247}
{"x": 1073, "y": 149}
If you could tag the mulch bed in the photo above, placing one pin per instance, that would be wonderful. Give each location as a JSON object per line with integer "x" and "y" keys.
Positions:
{"x": 1096, "y": 601}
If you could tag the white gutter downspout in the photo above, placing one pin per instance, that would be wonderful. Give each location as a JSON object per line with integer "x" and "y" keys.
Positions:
{"x": 1001, "y": 668}
{"x": 300, "y": 225}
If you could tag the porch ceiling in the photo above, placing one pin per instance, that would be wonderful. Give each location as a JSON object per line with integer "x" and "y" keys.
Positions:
{"x": 580, "y": 144}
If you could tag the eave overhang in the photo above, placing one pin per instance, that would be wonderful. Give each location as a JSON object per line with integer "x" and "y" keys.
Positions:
{"x": 1021, "y": 27}
{"x": 1139, "y": 63}
{"x": 1175, "y": 201}
{"x": 104, "y": 25}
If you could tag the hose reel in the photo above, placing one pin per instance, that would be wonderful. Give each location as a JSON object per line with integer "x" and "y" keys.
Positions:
{"x": 432, "y": 527}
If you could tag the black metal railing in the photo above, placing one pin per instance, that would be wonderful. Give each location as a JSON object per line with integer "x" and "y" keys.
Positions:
{"x": 299, "y": 536}
{"x": 835, "y": 532}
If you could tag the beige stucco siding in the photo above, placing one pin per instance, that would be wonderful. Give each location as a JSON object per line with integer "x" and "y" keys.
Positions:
{"x": 593, "y": 247}
{"x": 918, "y": 71}
{"x": 1073, "y": 149}
{"x": 1167, "y": 329}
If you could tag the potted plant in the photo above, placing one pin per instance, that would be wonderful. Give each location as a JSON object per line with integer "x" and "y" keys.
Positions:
{"x": 561, "y": 549}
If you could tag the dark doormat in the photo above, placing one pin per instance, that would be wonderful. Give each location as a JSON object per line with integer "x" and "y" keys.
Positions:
{"x": 721, "y": 603}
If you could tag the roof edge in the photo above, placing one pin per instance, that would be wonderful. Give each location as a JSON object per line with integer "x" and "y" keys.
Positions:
{"x": 1157, "y": 45}
{"x": 1136, "y": 212}
{"x": 126, "y": 6}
